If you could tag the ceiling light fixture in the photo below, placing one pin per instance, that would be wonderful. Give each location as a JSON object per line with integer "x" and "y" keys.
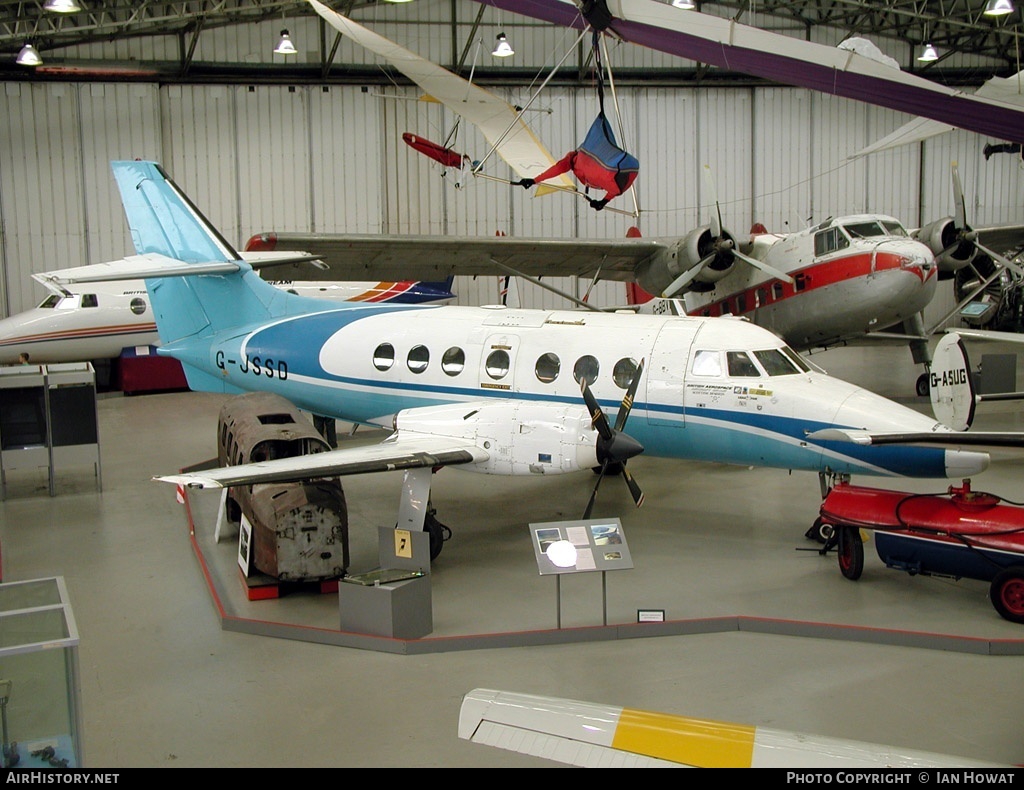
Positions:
{"x": 29, "y": 56}
{"x": 999, "y": 8}
{"x": 928, "y": 54}
{"x": 62, "y": 6}
{"x": 502, "y": 49}
{"x": 285, "y": 45}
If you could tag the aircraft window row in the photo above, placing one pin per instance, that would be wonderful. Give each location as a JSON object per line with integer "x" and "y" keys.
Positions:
{"x": 499, "y": 363}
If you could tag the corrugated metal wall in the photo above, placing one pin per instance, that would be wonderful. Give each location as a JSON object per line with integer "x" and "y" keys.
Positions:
{"x": 331, "y": 159}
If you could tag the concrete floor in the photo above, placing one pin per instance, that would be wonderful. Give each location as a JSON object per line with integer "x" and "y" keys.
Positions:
{"x": 165, "y": 684}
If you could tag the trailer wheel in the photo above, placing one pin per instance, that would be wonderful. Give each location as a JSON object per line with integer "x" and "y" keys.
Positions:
{"x": 851, "y": 553}
{"x": 1007, "y": 593}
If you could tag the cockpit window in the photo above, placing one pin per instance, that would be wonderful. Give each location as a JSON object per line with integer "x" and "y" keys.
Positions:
{"x": 776, "y": 363}
{"x": 50, "y": 301}
{"x": 894, "y": 228}
{"x": 707, "y": 363}
{"x": 829, "y": 241}
{"x": 865, "y": 230}
{"x": 89, "y": 300}
{"x": 740, "y": 364}
{"x": 797, "y": 359}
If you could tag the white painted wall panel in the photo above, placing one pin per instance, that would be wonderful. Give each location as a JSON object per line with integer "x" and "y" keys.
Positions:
{"x": 43, "y": 221}
{"x": 783, "y": 199}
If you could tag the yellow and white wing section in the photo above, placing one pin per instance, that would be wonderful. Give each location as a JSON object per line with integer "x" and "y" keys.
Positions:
{"x": 592, "y": 735}
{"x": 498, "y": 121}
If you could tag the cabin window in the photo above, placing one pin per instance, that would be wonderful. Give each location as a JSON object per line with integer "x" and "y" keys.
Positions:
{"x": 547, "y": 367}
{"x": 741, "y": 303}
{"x": 829, "y": 241}
{"x": 776, "y": 363}
{"x": 799, "y": 282}
{"x": 89, "y": 300}
{"x": 777, "y": 290}
{"x": 453, "y": 361}
{"x": 623, "y": 372}
{"x": 741, "y": 365}
{"x": 761, "y": 297}
{"x": 707, "y": 363}
{"x": 418, "y": 359}
{"x": 137, "y": 305}
{"x": 497, "y": 363}
{"x": 384, "y": 356}
{"x": 586, "y": 367}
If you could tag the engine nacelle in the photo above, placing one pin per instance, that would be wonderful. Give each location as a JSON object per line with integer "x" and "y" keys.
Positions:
{"x": 655, "y": 275}
{"x": 939, "y": 235}
{"x": 520, "y": 438}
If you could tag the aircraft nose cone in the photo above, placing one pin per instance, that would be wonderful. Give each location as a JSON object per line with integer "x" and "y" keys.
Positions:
{"x": 621, "y": 447}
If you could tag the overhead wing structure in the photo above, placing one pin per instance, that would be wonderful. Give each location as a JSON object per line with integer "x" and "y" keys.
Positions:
{"x": 595, "y": 735}
{"x": 1004, "y": 89}
{"x": 735, "y": 47}
{"x": 498, "y": 121}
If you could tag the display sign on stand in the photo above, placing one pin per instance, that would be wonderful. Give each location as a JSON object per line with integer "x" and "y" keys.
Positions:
{"x": 562, "y": 547}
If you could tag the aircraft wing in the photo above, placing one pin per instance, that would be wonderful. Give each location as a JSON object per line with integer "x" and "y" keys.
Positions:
{"x": 430, "y": 258}
{"x": 594, "y": 735}
{"x": 498, "y": 121}
{"x": 396, "y": 453}
{"x": 944, "y": 438}
{"x": 1005, "y": 89}
{"x": 134, "y": 267}
{"x": 729, "y": 45}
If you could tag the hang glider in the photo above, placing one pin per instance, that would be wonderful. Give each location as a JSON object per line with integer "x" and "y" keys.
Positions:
{"x": 1009, "y": 90}
{"x": 729, "y": 45}
{"x": 498, "y": 121}
{"x": 596, "y": 735}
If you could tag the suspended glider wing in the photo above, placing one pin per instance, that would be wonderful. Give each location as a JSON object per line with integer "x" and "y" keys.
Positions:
{"x": 729, "y": 45}
{"x": 497, "y": 120}
{"x": 1009, "y": 90}
{"x": 594, "y": 735}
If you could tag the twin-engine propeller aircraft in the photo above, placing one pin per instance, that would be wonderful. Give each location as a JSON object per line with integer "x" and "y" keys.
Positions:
{"x": 492, "y": 389}
{"x": 99, "y": 322}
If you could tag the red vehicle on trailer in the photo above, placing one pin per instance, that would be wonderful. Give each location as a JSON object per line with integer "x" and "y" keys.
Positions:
{"x": 966, "y": 534}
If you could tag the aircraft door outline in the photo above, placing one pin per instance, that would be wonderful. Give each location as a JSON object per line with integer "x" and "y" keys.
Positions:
{"x": 666, "y": 374}
{"x": 498, "y": 362}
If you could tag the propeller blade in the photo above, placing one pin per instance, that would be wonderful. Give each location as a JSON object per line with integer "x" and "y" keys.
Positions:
{"x": 764, "y": 267}
{"x": 960, "y": 213}
{"x": 597, "y": 418}
{"x": 634, "y": 488}
{"x": 1002, "y": 260}
{"x": 627, "y": 399}
{"x": 593, "y": 494}
{"x": 716, "y": 216}
{"x": 686, "y": 277}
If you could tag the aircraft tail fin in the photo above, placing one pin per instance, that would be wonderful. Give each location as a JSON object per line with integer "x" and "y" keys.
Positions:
{"x": 210, "y": 288}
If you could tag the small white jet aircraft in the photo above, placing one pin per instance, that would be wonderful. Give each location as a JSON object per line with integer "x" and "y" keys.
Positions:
{"x": 596, "y": 735}
{"x": 100, "y": 322}
{"x": 491, "y": 389}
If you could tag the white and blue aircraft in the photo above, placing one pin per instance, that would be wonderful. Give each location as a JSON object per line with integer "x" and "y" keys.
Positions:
{"x": 493, "y": 389}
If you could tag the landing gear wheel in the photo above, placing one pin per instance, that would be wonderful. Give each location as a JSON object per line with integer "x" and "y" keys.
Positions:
{"x": 923, "y": 385}
{"x": 1007, "y": 593}
{"x": 820, "y": 531}
{"x": 851, "y": 553}
{"x": 439, "y": 533}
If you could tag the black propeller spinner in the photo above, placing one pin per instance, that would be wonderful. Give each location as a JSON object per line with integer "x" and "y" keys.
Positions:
{"x": 614, "y": 446}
